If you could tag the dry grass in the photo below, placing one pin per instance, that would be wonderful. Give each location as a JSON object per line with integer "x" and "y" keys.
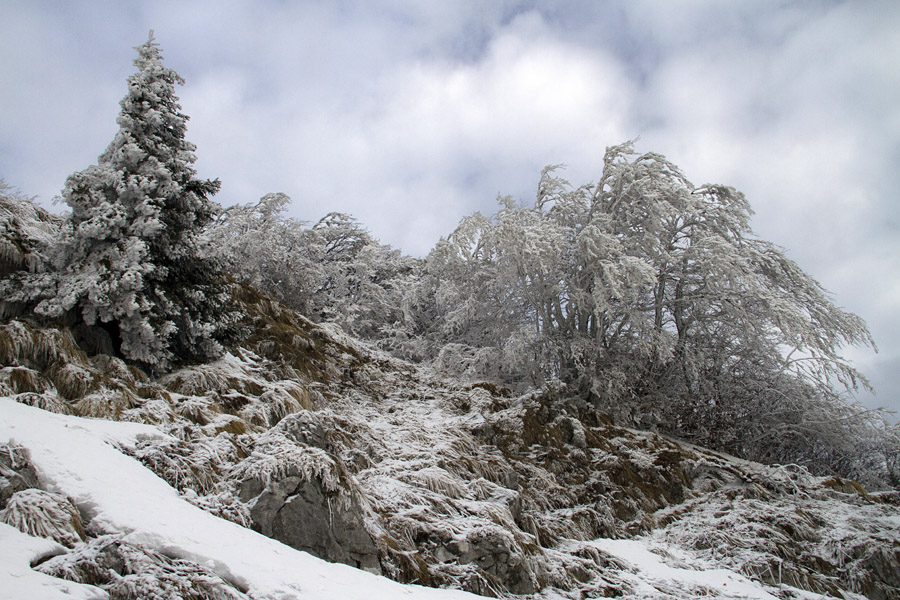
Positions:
{"x": 105, "y": 404}
{"x": 72, "y": 381}
{"x": 199, "y": 410}
{"x": 22, "y": 344}
{"x": 48, "y": 401}
{"x": 22, "y": 380}
{"x": 44, "y": 514}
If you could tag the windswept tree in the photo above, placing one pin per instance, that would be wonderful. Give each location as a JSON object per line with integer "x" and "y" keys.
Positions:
{"x": 130, "y": 266}
{"x": 653, "y": 298}
{"x": 271, "y": 251}
{"x": 333, "y": 271}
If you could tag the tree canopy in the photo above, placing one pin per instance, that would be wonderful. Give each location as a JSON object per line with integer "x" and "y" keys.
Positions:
{"x": 652, "y": 298}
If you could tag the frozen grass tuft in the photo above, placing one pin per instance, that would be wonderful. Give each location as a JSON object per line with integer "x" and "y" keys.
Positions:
{"x": 276, "y": 457}
{"x": 104, "y": 404}
{"x": 48, "y": 401}
{"x": 22, "y": 380}
{"x": 44, "y": 514}
{"x": 194, "y": 465}
{"x": 72, "y": 381}
{"x": 25, "y": 345}
{"x": 128, "y": 572}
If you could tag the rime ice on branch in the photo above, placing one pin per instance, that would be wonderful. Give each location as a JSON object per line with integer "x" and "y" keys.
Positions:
{"x": 130, "y": 266}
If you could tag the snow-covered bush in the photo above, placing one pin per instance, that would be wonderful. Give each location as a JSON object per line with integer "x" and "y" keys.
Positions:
{"x": 333, "y": 271}
{"x": 44, "y": 514}
{"x": 27, "y": 233}
{"x": 653, "y": 298}
{"x": 129, "y": 572}
{"x": 263, "y": 247}
{"x": 28, "y": 237}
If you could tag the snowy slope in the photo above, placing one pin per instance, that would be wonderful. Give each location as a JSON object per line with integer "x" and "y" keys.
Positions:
{"x": 76, "y": 457}
{"x": 18, "y": 580}
{"x": 462, "y": 485}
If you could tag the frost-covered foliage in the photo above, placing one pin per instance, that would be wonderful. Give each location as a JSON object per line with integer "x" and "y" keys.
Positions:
{"x": 653, "y": 298}
{"x": 47, "y": 369}
{"x": 474, "y": 488}
{"x": 276, "y": 456}
{"x": 27, "y": 233}
{"x": 129, "y": 572}
{"x": 469, "y": 486}
{"x": 643, "y": 297}
{"x": 270, "y": 251}
{"x": 810, "y": 542}
{"x": 191, "y": 464}
{"x": 28, "y": 238}
{"x": 129, "y": 265}
{"x": 333, "y": 271}
{"x": 365, "y": 281}
{"x": 16, "y": 471}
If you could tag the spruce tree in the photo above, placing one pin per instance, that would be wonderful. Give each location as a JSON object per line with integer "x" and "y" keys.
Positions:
{"x": 131, "y": 263}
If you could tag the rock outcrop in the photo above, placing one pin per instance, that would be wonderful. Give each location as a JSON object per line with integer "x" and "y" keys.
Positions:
{"x": 16, "y": 472}
{"x": 304, "y": 514}
{"x": 302, "y": 495}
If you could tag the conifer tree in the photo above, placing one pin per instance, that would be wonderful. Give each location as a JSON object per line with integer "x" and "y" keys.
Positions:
{"x": 131, "y": 262}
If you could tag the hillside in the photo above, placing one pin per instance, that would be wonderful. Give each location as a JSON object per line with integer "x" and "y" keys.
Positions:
{"x": 210, "y": 403}
{"x": 339, "y": 450}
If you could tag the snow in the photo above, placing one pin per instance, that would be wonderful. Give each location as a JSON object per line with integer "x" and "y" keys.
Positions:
{"x": 77, "y": 457}
{"x": 81, "y": 458}
{"x": 652, "y": 573}
{"x": 18, "y": 580}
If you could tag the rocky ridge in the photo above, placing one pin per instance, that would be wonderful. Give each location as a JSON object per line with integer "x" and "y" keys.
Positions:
{"x": 337, "y": 449}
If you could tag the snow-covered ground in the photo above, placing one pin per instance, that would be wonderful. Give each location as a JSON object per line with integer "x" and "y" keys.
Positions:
{"x": 77, "y": 457}
{"x": 651, "y": 568}
{"x": 19, "y": 581}
{"x": 80, "y": 458}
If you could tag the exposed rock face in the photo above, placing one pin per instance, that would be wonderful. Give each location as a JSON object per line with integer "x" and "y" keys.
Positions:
{"x": 304, "y": 514}
{"x": 498, "y": 557}
{"x": 16, "y": 472}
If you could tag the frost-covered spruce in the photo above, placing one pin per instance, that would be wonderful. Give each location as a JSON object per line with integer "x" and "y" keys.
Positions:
{"x": 130, "y": 263}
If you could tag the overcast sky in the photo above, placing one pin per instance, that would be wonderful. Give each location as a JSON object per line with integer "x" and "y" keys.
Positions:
{"x": 410, "y": 115}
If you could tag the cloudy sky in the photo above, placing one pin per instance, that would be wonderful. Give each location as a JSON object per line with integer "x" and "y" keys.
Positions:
{"x": 410, "y": 115}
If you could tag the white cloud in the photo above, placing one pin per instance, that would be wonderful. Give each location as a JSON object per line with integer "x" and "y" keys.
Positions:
{"x": 475, "y": 129}
{"x": 431, "y": 138}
